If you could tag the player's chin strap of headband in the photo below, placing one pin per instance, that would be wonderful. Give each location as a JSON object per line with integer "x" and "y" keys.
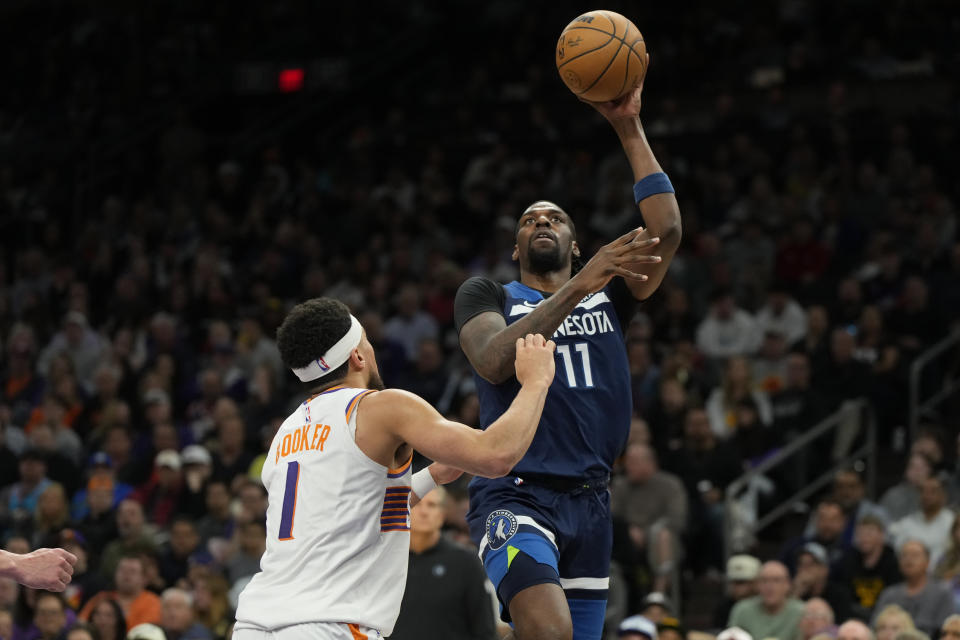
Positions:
{"x": 335, "y": 355}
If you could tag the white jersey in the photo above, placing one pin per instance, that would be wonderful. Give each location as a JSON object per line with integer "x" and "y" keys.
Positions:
{"x": 338, "y": 525}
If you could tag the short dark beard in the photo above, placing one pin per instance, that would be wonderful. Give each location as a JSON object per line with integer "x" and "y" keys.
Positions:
{"x": 375, "y": 382}
{"x": 545, "y": 260}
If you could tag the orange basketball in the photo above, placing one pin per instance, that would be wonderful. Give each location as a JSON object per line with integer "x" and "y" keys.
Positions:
{"x": 601, "y": 56}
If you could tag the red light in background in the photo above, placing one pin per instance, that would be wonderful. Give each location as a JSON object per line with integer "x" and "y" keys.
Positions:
{"x": 290, "y": 80}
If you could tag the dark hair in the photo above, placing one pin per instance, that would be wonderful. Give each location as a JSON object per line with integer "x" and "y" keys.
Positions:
{"x": 309, "y": 330}
{"x": 120, "y": 627}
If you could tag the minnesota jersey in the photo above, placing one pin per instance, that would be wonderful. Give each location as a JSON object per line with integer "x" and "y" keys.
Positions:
{"x": 586, "y": 418}
{"x": 338, "y": 525}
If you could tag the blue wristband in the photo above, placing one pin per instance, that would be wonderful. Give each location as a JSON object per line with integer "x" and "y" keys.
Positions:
{"x": 651, "y": 185}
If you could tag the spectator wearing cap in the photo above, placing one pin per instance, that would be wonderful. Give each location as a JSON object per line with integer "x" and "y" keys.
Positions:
{"x": 931, "y": 524}
{"x": 869, "y": 566}
{"x": 734, "y": 633}
{"x": 178, "y": 621}
{"x": 84, "y": 582}
{"x": 741, "y": 574}
{"x": 100, "y": 476}
{"x": 655, "y": 606}
{"x": 928, "y": 602}
{"x": 99, "y": 524}
{"x": 146, "y": 631}
{"x": 80, "y": 343}
{"x": 138, "y": 604}
{"x": 812, "y": 580}
{"x": 197, "y": 470}
{"x": 637, "y": 627}
{"x": 772, "y": 613}
{"x": 670, "y": 628}
{"x": 160, "y": 495}
{"x": 134, "y": 536}
{"x": 18, "y": 502}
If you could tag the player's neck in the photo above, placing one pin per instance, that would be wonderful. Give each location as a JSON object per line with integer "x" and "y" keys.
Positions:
{"x": 549, "y": 282}
{"x": 421, "y": 541}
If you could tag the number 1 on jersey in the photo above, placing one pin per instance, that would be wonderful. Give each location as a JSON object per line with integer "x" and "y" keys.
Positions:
{"x": 289, "y": 501}
{"x": 582, "y": 349}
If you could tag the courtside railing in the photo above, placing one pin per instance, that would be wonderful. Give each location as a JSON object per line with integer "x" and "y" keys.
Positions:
{"x": 935, "y": 362}
{"x": 742, "y": 521}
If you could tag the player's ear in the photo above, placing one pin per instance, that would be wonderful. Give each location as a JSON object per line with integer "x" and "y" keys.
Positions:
{"x": 516, "y": 253}
{"x": 576, "y": 249}
{"x": 357, "y": 361}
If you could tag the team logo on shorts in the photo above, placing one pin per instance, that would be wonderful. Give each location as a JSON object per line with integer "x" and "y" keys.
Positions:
{"x": 501, "y": 525}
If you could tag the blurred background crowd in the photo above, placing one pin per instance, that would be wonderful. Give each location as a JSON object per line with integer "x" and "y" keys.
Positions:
{"x": 174, "y": 176}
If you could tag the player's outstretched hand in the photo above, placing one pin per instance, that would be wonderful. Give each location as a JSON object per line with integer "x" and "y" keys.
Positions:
{"x": 632, "y": 248}
{"x": 534, "y": 363}
{"x": 624, "y": 107}
{"x": 48, "y": 569}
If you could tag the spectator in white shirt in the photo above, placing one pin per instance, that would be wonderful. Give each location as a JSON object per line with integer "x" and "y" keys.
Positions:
{"x": 931, "y": 524}
{"x": 782, "y": 314}
{"x": 727, "y": 330}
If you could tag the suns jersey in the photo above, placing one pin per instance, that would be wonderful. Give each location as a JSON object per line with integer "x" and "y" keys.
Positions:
{"x": 338, "y": 525}
{"x": 586, "y": 417}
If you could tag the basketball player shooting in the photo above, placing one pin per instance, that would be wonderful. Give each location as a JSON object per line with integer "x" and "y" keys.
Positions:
{"x": 339, "y": 484}
{"x": 544, "y": 531}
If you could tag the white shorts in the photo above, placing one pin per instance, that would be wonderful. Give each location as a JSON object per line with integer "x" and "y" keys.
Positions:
{"x": 310, "y": 631}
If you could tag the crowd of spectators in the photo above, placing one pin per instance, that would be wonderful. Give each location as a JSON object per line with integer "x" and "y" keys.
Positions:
{"x": 141, "y": 384}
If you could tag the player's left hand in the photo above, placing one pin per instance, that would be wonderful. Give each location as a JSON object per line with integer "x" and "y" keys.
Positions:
{"x": 444, "y": 473}
{"x": 624, "y": 107}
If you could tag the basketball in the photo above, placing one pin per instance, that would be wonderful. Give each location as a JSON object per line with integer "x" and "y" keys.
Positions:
{"x": 601, "y": 56}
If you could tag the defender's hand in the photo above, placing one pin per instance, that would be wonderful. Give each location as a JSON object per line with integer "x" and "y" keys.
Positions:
{"x": 534, "y": 364}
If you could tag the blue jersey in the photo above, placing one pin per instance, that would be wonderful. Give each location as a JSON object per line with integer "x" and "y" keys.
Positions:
{"x": 586, "y": 418}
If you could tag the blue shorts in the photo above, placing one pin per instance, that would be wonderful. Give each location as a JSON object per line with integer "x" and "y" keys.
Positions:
{"x": 530, "y": 534}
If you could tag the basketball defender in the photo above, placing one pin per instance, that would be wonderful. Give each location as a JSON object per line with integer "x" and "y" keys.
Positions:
{"x": 544, "y": 531}
{"x": 338, "y": 480}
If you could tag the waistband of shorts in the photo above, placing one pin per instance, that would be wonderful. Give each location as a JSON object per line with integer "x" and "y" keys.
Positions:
{"x": 562, "y": 484}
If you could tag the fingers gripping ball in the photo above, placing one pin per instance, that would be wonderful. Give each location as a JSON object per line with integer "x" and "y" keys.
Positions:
{"x": 601, "y": 56}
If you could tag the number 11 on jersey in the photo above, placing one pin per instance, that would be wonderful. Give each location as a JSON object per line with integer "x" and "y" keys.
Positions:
{"x": 583, "y": 350}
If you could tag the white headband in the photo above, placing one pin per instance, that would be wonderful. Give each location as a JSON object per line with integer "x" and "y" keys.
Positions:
{"x": 335, "y": 355}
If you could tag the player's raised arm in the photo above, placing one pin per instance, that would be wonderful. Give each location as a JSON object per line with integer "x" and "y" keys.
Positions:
{"x": 490, "y": 453}
{"x": 488, "y": 341}
{"x": 652, "y": 189}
